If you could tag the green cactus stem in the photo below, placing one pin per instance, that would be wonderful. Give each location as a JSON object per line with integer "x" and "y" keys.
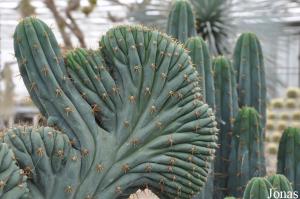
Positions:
{"x": 248, "y": 61}
{"x": 226, "y": 111}
{"x": 181, "y": 22}
{"x": 199, "y": 53}
{"x": 288, "y": 159}
{"x": 280, "y": 183}
{"x": 258, "y": 188}
{"x": 247, "y": 153}
{"x": 131, "y": 110}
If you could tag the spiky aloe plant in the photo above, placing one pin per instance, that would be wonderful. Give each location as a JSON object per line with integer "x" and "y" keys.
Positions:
{"x": 125, "y": 116}
{"x": 247, "y": 151}
{"x": 181, "y": 22}
{"x": 258, "y": 188}
{"x": 249, "y": 63}
{"x": 288, "y": 159}
{"x": 280, "y": 183}
{"x": 226, "y": 111}
{"x": 199, "y": 53}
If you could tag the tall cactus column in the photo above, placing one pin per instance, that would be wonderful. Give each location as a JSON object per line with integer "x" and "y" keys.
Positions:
{"x": 247, "y": 152}
{"x": 226, "y": 111}
{"x": 181, "y": 22}
{"x": 199, "y": 53}
{"x": 249, "y": 63}
{"x": 288, "y": 160}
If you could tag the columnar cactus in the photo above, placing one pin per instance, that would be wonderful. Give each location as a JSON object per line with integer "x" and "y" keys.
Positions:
{"x": 288, "y": 159}
{"x": 280, "y": 183}
{"x": 12, "y": 178}
{"x": 131, "y": 112}
{"x": 258, "y": 188}
{"x": 247, "y": 151}
{"x": 249, "y": 63}
{"x": 226, "y": 111}
{"x": 181, "y": 22}
{"x": 199, "y": 53}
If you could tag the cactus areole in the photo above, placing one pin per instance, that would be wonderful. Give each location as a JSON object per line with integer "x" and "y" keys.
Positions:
{"x": 123, "y": 117}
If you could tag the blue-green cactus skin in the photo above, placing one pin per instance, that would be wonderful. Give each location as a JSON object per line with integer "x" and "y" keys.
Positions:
{"x": 288, "y": 159}
{"x": 226, "y": 111}
{"x": 248, "y": 61}
{"x": 13, "y": 183}
{"x": 199, "y": 53}
{"x": 181, "y": 22}
{"x": 247, "y": 152}
{"x": 132, "y": 111}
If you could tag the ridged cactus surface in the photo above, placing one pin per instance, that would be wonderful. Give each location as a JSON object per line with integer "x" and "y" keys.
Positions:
{"x": 199, "y": 53}
{"x": 132, "y": 112}
{"x": 13, "y": 183}
{"x": 258, "y": 188}
{"x": 249, "y": 63}
{"x": 280, "y": 183}
{"x": 226, "y": 111}
{"x": 247, "y": 151}
{"x": 288, "y": 159}
{"x": 181, "y": 22}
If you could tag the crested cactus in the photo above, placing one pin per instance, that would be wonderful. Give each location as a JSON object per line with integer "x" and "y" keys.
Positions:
{"x": 12, "y": 178}
{"x": 258, "y": 188}
{"x": 199, "y": 54}
{"x": 226, "y": 111}
{"x": 248, "y": 61}
{"x": 288, "y": 159}
{"x": 181, "y": 22}
{"x": 131, "y": 112}
{"x": 280, "y": 183}
{"x": 247, "y": 151}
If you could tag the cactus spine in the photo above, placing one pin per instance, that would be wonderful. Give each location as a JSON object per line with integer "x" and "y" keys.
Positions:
{"x": 258, "y": 188}
{"x": 247, "y": 151}
{"x": 131, "y": 110}
{"x": 249, "y": 63}
{"x": 181, "y": 22}
{"x": 226, "y": 111}
{"x": 288, "y": 159}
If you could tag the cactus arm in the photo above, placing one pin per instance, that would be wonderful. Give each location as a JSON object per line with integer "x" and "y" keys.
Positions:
{"x": 46, "y": 156}
{"x": 46, "y": 71}
{"x": 12, "y": 179}
{"x": 257, "y": 188}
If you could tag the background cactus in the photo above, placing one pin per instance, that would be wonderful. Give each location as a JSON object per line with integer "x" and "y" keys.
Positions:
{"x": 247, "y": 152}
{"x": 181, "y": 22}
{"x": 199, "y": 53}
{"x": 257, "y": 188}
{"x": 288, "y": 159}
{"x": 132, "y": 112}
{"x": 249, "y": 63}
{"x": 226, "y": 111}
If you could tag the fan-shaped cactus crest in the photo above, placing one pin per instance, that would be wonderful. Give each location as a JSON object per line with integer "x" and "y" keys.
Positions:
{"x": 121, "y": 117}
